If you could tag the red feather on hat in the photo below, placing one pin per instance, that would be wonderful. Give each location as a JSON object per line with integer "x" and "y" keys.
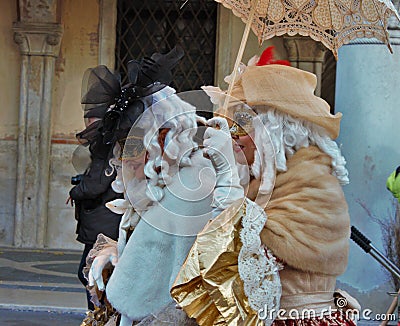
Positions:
{"x": 267, "y": 58}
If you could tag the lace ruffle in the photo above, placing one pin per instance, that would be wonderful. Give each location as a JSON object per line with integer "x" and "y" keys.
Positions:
{"x": 258, "y": 268}
{"x": 102, "y": 242}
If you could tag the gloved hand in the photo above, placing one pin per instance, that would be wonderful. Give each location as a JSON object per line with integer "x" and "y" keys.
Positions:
{"x": 218, "y": 146}
{"x": 107, "y": 257}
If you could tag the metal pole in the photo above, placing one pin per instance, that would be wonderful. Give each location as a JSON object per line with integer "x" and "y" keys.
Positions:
{"x": 365, "y": 244}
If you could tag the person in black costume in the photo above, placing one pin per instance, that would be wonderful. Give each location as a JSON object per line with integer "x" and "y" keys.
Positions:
{"x": 113, "y": 108}
{"x": 90, "y": 194}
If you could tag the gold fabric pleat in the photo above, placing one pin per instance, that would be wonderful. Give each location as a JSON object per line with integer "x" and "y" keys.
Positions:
{"x": 208, "y": 286}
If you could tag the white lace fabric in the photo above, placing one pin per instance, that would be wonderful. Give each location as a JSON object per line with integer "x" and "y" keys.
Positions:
{"x": 102, "y": 244}
{"x": 332, "y": 22}
{"x": 258, "y": 268}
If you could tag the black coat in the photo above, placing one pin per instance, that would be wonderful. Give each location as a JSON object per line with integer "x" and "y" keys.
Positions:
{"x": 90, "y": 196}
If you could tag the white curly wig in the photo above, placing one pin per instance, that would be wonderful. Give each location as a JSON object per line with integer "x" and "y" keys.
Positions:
{"x": 180, "y": 118}
{"x": 289, "y": 134}
{"x": 167, "y": 111}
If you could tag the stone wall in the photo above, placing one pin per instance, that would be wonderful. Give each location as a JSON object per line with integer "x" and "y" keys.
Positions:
{"x": 78, "y": 51}
{"x": 61, "y": 223}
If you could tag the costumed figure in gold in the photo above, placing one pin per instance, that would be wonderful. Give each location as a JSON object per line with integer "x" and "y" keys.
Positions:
{"x": 274, "y": 258}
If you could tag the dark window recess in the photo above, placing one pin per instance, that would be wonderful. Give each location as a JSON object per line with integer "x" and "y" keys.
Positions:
{"x": 148, "y": 26}
{"x": 328, "y": 80}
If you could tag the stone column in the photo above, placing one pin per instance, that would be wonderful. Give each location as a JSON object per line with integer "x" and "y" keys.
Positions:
{"x": 38, "y": 34}
{"x": 107, "y": 32}
{"x": 394, "y": 26}
{"x": 306, "y": 54}
{"x": 367, "y": 88}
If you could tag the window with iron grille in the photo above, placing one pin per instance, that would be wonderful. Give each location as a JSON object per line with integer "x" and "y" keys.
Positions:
{"x": 148, "y": 26}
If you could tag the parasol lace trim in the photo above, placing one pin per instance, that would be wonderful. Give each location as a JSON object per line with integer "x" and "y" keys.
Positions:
{"x": 258, "y": 268}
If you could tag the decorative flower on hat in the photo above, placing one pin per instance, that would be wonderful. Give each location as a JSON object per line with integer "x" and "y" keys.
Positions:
{"x": 266, "y": 58}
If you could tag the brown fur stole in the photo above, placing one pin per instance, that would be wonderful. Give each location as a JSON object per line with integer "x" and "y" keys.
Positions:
{"x": 308, "y": 224}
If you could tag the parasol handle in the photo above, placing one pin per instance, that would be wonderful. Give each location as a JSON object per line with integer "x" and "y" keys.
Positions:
{"x": 239, "y": 57}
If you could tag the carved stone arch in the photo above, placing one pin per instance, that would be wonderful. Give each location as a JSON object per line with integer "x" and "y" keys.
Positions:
{"x": 307, "y": 54}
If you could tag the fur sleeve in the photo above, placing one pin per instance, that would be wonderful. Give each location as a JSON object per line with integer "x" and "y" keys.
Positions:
{"x": 308, "y": 223}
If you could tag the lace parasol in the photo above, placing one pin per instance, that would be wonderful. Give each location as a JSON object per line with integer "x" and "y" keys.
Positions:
{"x": 332, "y": 22}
